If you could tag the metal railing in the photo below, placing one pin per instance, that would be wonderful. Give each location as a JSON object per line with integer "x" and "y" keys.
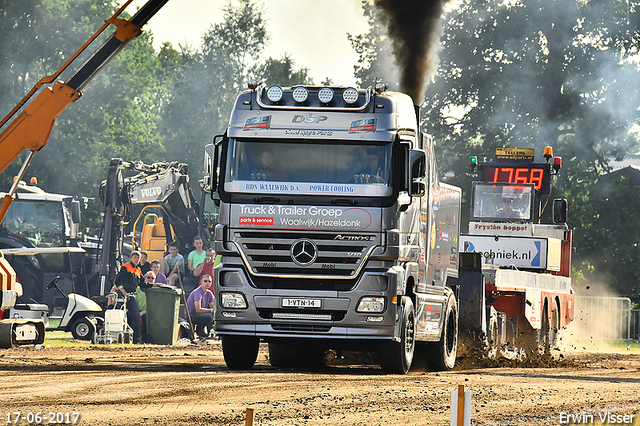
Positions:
{"x": 607, "y": 318}
{"x": 634, "y": 324}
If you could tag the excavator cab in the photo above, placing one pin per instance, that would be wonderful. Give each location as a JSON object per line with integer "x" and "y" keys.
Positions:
{"x": 153, "y": 238}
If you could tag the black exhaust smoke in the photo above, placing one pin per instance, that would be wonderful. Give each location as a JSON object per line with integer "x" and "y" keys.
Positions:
{"x": 414, "y": 28}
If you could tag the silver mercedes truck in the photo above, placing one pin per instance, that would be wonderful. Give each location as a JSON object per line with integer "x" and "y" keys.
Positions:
{"x": 335, "y": 232}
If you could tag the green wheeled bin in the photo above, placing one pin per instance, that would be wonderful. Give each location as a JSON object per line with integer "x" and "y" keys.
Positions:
{"x": 163, "y": 306}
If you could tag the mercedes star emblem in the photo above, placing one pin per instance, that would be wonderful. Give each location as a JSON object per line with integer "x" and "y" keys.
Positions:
{"x": 304, "y": 252}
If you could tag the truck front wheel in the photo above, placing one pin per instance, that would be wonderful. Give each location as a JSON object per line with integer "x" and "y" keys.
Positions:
{"x": 443, "y": 353}
{"x": 240, "y": 353}
{"x": 397, "y": 357}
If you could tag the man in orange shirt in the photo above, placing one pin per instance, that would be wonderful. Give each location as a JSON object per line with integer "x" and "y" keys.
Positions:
{"x": 127, "y": 281}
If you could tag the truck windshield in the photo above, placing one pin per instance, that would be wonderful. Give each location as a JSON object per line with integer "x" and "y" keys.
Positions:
{"x": 39, "y": 222}
{"x": 309, "y": 167}
{"x": 502, "y": 202}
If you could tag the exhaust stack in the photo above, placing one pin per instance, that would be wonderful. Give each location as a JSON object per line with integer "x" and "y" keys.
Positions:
{"x": 417, "y": 109}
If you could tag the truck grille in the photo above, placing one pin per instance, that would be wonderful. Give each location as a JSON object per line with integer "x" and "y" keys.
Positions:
{"x": 304, "y": 255}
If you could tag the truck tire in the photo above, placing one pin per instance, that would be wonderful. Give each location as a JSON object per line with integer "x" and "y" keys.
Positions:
{"x": 544, "y": 331}
{"x": 240, "y": 353}
{"x": 443, "y": 353}
{"x": 493, "y": 339}
{"x": 396, "y": 357}
{"x": 554, "y": 326}
{"x": 82, "y": 329}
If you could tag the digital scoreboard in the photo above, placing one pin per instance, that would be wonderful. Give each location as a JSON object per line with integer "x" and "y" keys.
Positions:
{"x": 521, "y": 172}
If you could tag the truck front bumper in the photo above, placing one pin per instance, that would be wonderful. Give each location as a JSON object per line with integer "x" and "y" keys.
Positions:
{"x": 325, "y": 315}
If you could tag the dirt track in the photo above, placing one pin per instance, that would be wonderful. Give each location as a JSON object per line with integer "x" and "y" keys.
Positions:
{"x": 190, "y": 385}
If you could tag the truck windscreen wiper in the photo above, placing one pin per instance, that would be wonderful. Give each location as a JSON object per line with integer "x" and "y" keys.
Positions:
{"x": 266, "y": 200}
{"x": 344, "y": 202}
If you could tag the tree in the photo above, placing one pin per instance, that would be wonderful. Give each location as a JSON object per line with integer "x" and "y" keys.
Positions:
{"x": 282, "y": 72}
{"x": 530, "y": 74}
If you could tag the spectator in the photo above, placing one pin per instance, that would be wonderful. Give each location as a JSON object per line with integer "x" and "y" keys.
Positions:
{"x": 197, "y": 256}
{"x": 127, "y": 282}
{"x": 144, "y": 265}
{"x": 172, "y": 265}
{"x": 200, "y": 305}
{"x": 160, "y": 277}
{"x": 154, "y": 282}
{"x": 141, "y": 298}
{"x": 206, "y": 267}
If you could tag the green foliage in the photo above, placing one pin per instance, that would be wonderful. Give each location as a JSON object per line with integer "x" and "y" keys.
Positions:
{"x": 282, "y": 73}
{"x": 529, "y": 74}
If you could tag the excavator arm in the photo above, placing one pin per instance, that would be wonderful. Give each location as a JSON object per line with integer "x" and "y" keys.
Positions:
{"x": 31, "y": 128}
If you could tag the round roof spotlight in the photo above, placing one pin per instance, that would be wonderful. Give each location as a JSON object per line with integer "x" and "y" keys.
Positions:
{"x": 350, "y": 95}
{"x": 325, "y": 95}
{"x": 381, "y": 87}
{"x": 300, "y": 94}
{"x": 274, "y": 93}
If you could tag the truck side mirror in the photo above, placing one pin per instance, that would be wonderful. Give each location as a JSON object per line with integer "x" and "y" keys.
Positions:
{"x": 418, "y": 189}
{"x": 559, "y": 210}
{"x": 74, "y": 208}
{"x": 211, "y": 154}
{"x": 417, "y": 172}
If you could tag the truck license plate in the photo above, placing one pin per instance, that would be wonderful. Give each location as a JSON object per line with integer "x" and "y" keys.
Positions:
{"x": 302, "y": 303}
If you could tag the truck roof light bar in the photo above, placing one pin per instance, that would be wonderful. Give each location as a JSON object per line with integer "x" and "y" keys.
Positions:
{"x": 350, "y": 107}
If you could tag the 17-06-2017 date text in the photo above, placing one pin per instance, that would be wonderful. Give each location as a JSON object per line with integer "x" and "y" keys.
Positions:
{"x": 50, "y": 418}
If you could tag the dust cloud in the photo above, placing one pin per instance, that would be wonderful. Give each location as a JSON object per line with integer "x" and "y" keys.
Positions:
{"x": 601, "y": 321}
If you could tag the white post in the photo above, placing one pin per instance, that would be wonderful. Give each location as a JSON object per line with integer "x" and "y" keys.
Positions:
{"x": 460, "y": 407}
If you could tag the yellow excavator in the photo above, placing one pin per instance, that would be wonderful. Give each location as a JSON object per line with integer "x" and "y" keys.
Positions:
{"x": 28, "y": 126}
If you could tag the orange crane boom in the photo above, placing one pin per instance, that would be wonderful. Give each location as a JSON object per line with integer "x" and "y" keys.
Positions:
{"x": 32, "y": 127}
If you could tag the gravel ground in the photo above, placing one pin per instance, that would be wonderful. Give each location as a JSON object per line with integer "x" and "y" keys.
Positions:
{"x": 190, "y": 385}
